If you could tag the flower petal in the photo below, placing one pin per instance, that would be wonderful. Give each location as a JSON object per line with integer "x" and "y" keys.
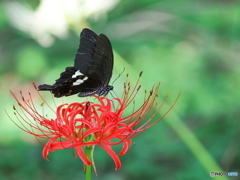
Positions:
{"x": 83, "y": 157}
{"x": 113, "y": 155}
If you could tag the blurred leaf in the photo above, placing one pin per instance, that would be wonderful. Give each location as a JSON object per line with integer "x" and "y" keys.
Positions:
{"x": 30, "y": 62}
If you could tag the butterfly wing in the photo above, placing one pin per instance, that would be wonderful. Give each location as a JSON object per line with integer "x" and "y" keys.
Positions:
{"x": 101, "y": 67}
{"x": 85, "y": 53}
{"x": 92, "y": 68}
{"x": 64, "y": 86}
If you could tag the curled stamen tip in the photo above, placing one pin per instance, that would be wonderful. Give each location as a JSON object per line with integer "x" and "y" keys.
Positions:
{"x": 42, "y": 103}
{"x": 127, "y": 74}
{"x": 20, "y": 92}
{"x": 140, "y": 73}
{"x": 14, "y": 107}
{"x": 151, "y": 92}
{"x": 139, "y": 87}
{"x": 34, "y": 85}
{"x": 11, "y": 91}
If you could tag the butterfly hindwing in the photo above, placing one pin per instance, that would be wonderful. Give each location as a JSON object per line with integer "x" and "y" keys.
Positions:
{"x": 66, "y": 80}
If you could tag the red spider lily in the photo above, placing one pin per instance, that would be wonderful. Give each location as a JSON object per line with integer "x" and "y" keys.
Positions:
{"x": 85, "y": 124}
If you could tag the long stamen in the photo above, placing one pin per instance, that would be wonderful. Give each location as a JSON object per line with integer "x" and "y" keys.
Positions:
{"x": 43, "y": 98}
{"x": 131, "y": 95}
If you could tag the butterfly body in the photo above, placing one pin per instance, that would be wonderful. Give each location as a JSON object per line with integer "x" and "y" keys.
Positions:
{"x": 92, "y": 69}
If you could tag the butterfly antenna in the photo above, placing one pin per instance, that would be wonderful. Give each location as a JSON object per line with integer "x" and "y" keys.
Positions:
{"x": 118, "y": 76}
{"x": 113, "y": 93}
{"x": 114, "y": 82}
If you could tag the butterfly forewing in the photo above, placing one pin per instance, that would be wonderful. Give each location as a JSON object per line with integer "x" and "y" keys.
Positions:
{"x": 104, "y": 53}
{"x": 102, "y": 65}
{"x": 86, "y": 50}
{"x": 101, "y": 68}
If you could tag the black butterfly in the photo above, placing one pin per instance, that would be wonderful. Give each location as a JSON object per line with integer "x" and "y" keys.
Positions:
{"x": 92, "y": 69}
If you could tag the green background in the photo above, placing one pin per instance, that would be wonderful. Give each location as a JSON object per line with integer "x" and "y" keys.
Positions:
{"x": 192, "y": 47}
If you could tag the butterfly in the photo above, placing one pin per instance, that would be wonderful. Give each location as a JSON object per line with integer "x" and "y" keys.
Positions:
{"x": 92, "y": 69}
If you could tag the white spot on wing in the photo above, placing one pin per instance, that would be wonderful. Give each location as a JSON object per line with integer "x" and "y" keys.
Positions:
{"x": 77, "y": 73}
{"x": 80, "y": 81}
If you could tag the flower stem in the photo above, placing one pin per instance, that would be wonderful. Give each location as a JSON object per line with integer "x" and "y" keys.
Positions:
{"x": 89, "y": 168}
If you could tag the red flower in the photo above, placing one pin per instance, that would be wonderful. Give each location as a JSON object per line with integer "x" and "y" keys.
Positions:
{"x": 79, "y": 125}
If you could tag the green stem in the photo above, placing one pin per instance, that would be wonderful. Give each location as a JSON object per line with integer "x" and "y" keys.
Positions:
{"x": 89, "y": 168}
{"x": 196, "y": 147}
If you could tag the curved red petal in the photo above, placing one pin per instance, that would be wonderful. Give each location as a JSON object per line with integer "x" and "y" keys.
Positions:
{"x": 114, "y": 156}
{"x": 83, "y": 157}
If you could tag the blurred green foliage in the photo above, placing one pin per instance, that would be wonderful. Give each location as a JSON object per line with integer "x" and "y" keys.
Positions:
{"x": 192, "y": 47}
